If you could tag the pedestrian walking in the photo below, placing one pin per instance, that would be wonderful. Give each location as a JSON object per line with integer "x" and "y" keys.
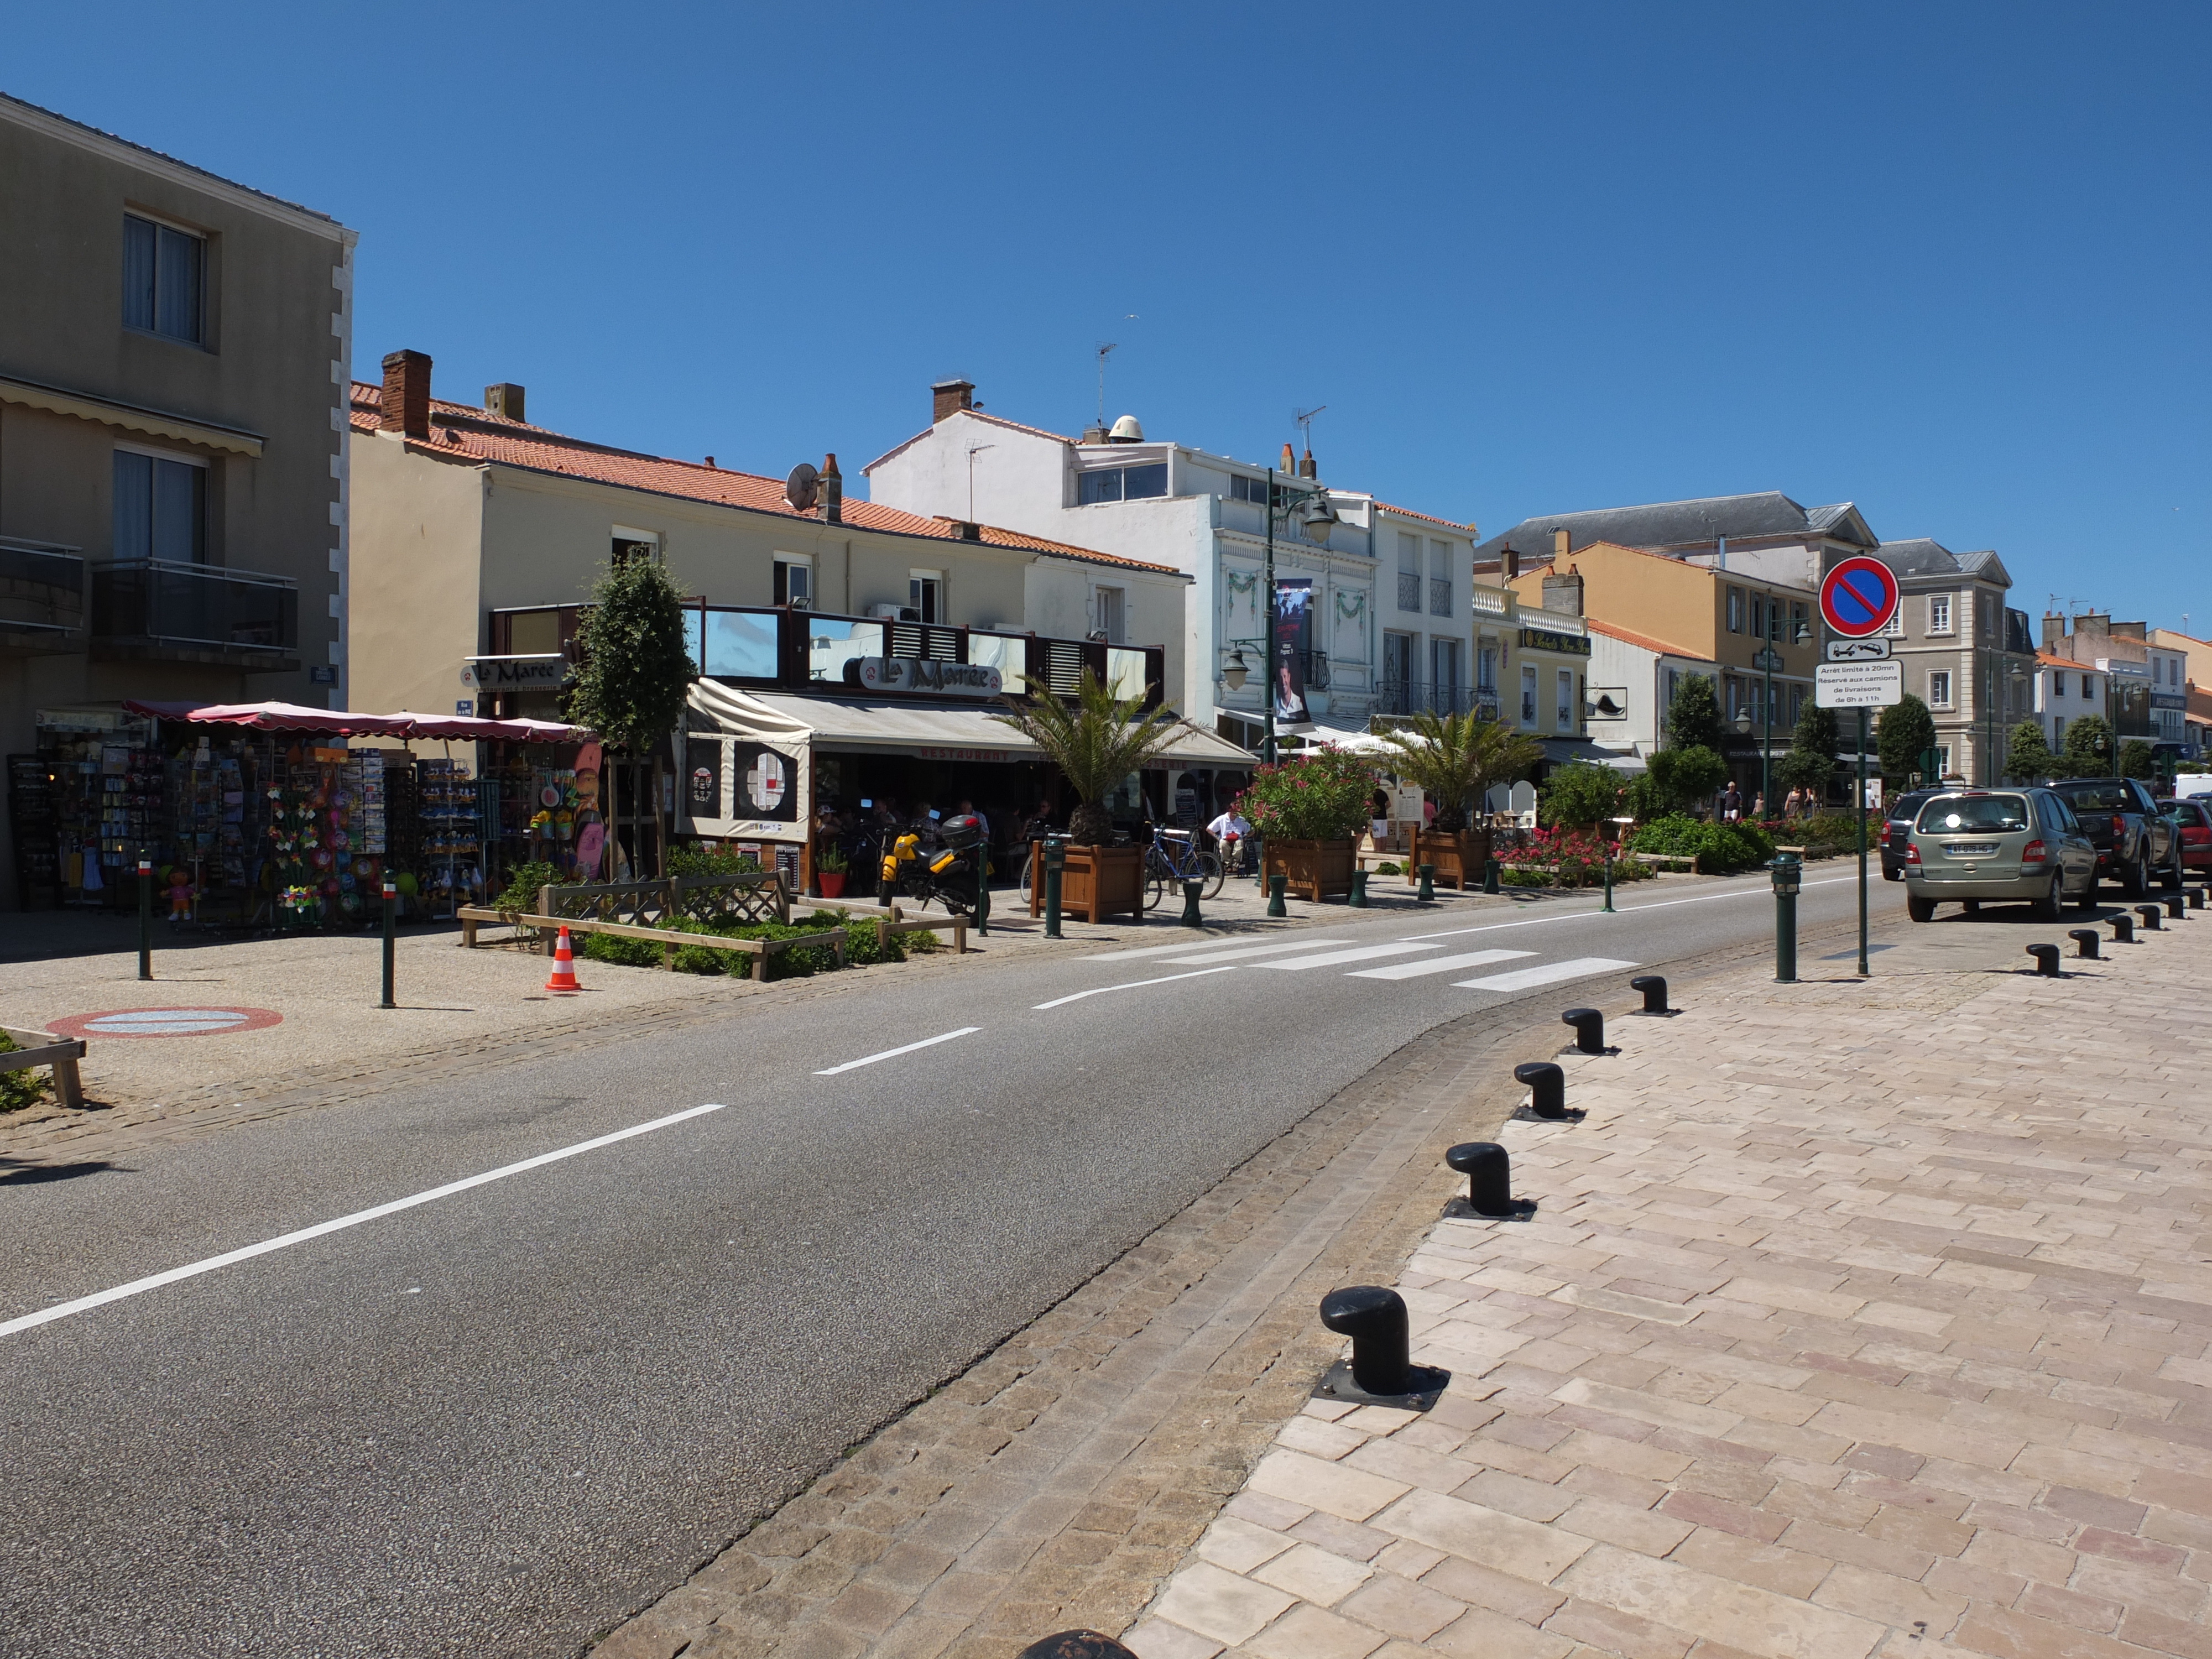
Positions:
{"x": 1731, "y": 805}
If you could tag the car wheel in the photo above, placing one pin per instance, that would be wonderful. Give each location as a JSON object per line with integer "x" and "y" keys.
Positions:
{"x": 1920, "y": 909}
{"x": 2171, "y": 879}
{"x": 2136, "y": 882}
{"x": 2052, "y": 907}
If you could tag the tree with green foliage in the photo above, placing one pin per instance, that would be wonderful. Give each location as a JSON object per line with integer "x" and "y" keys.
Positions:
{"x": 635, "y": 666}
{"x": 2088, "y": 750}
{"x": 1693, "y": 718}
{"x": 1096, "y": 740}
{"x": 1579, "y": 794}
{"x": 2028, "y": 759}
{"x": 2137, "y": 760}
{"x": 1907, "y": 731}
{"x": 1675, "y": 779}
{"x": 1811, "y": 757}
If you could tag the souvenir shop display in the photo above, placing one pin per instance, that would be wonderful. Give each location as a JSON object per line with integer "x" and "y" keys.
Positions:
{"x": 451, "y": 868}
{"x": 31, "y": 827}
{"x": 542, "y": 811}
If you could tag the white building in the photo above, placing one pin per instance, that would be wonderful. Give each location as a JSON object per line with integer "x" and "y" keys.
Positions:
{"x": 2064, "y": 691}
{"x": 1632, "y": 680}
{"x": 1392, "y": 613}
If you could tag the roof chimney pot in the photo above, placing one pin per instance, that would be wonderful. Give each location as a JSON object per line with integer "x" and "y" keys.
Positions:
{"x": 833, "y": 490}
{"x": 406, "y": 394}
{"x": 1562, "y": 543}
{"x": 504, "y": 400}
{"x": 949, "y": 397}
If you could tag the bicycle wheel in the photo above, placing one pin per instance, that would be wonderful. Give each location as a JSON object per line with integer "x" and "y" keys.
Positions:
{"x": 1155, "y": 884}
{"x": 1210, "y": 872}
{"x": 1028, "y": 865}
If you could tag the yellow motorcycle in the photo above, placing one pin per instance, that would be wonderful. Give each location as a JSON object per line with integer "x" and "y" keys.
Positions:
{"x": 913, "y": 871}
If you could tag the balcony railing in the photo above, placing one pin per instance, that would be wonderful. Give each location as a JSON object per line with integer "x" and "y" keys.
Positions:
{"x": 1409, "y": 591}
{"x": 1433, "y": 697}
{"x": 195, "y": 607}
{"x": 41, "y": 587}
{"x": 1440, "y": 596}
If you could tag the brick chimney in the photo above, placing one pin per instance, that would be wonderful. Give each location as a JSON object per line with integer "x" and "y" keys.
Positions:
{"x": 1563, "y": 595}
{"x": 1508, "y": 563}
{"x": 949, "y": 397}
{"x": 504, "y": 400}
{"x": 832, "y": 490}
{"x": 406, "y": 394}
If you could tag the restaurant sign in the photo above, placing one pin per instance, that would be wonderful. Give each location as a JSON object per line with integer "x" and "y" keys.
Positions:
{"x": 1547, "y": 638}
{"x": 532, "y": 673}
{"x": 942, "y": 679}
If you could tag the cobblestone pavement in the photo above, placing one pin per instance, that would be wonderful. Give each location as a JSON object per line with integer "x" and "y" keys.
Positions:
{"x": 1856, "y": 1318}
{"x": 1059, "y": 1479}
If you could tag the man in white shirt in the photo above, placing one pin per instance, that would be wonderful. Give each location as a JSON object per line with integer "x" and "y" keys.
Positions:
{"x": 1230, "y": 826}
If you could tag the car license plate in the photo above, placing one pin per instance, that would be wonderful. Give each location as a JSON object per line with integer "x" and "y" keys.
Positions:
{"x": 1970, "y": 849}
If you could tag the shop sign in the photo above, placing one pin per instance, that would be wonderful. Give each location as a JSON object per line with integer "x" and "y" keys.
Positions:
{"x": 947, "y": 679}
{"x": 702, "y": 778}
{"x": 967, "y": 755}
{"x": 533, "y": 673}
{"x": 2168, "y": 700}
{"x": 1546, "y": 639}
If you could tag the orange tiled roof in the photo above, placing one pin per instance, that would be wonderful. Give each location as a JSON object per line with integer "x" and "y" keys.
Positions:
{"x": 1408, "y": 512}
{"x": 461, "y": 432}
{"x": 1645, "y": 641}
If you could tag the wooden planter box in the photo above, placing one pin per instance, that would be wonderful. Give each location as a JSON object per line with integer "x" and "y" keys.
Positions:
{"x": 1317, "y": 869}
{"x": 1097, "y": 883}
{"x": 1458, "y": 857}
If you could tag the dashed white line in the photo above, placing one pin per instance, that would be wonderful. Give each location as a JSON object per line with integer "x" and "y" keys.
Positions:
{"x": 892, "y": 1054}
{"x": 1134, "y": 985}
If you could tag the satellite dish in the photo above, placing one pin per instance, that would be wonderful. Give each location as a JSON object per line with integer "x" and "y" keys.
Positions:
{"x": 802, "y": 487}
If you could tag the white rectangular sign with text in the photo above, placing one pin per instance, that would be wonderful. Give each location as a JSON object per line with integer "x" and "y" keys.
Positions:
{"x": 1858, "y": 684}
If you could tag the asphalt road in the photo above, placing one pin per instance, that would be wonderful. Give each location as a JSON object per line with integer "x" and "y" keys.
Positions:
{"x": 499, "y": 1420}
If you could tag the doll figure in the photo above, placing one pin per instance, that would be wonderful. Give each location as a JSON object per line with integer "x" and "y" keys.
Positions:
{"x": 180, "y": 898}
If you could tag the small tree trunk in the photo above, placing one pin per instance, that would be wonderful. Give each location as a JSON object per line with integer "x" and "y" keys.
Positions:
{"x": 1089, "y": 825}
{"x": 608, "y": 773}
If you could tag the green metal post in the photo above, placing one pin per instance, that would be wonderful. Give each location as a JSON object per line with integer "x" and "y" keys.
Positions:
{"x": 1277, "y": 884}
{"x": 1056, "y": 858}
{"x": 1608, "y": 882}
{"x": 1191, "y": 918}
{"x": 1489, "y": 867}
{"x": 145, "y": 917}
{"x": 1862, "y": 845}
{"x": 390, "y": 935}
{"x": 983, "y": 888}
{"x": 1785, "y": 874}
{"x": 1427, "y": 892}
{"x": 1358, "y": 899}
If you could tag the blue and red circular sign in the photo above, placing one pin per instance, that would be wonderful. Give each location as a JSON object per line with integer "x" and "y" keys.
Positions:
{"x": 166, "y": 1022}
{"x": 1858, "y": 598}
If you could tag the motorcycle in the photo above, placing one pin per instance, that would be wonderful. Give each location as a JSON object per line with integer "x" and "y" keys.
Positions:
{"x": 946, "y": 871}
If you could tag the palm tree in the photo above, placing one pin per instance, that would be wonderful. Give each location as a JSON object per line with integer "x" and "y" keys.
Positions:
{"x": 1456, "y": 758}
{"x": 1097, "y": 741}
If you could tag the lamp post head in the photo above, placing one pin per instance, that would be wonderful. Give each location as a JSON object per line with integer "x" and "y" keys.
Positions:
{"x": 1236, "y": 673}
{"x": 1318, "y": 515}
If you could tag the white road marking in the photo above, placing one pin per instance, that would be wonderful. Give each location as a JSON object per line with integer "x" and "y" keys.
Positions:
{"x": 1134, "y": 984}
{"x": 1229, "y": 943}
{"x": 183, "y": 1022}
{"x": 892, "y": 1054}
{"x": 99, "y": 1299}
{"x": 1550, "y": 973}
{"x": 1256, "y": 950}
{"x": 1438, "y": 964}
{"x": 1330, "y": 959}
{"x": 1623, "y": 909}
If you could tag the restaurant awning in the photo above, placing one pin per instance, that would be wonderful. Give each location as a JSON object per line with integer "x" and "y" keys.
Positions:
{"x": 353, "y": 723}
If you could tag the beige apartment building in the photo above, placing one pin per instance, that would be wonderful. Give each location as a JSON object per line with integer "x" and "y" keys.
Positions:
{"x": 174, "y": 350}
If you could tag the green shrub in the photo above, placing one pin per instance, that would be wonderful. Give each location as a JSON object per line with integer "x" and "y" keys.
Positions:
{"x": 1719, "y": 849}
{"x": 624, "y": 952}
{"x": 1514, "y": 876}
{"x": 1838, "y": 830}
{"x": 1388, "y": 868}
{"x": 18, "y": 1089}
{"x": 519, "y": 896}
{"x": 691, "y": 863}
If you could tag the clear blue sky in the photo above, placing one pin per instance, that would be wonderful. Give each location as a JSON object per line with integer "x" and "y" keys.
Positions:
{"x": 1949, "y": 262}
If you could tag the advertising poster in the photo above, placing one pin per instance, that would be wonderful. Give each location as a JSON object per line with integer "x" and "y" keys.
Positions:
{"x": 702, "y": 778}
{"x": 1293, "y": 646}
{"x": 767, "y": 784}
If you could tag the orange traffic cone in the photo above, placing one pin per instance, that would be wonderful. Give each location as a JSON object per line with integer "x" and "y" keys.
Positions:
{"x": 564, "y": 966}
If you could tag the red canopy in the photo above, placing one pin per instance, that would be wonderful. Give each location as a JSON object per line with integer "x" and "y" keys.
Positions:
{"x": 347, "y": 723}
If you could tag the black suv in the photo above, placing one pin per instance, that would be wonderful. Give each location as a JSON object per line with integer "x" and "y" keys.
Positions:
{"x": 1902, "y": 812}
{"x": 2132, "y": 834}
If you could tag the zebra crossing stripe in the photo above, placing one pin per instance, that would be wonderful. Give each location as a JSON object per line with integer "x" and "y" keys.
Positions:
{"x": 1438, "y": 964}
{"x": 1249, "y": 951}
{"x": 1330, "y": 959}
{"x": 1550, "y": 973}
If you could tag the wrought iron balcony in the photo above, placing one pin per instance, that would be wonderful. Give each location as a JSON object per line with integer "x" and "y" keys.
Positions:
{"x": 197, "y": 610}
{"x": 1409, "y": 591}
{"x": 1432, "y": 698}
{"x": 1440, "y": 596}
{"x": 41, "y": 594}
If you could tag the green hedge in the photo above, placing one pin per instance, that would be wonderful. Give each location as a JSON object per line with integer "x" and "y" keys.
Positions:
{"x": 861, "y": 950}
{"x": 1719, "y": 849}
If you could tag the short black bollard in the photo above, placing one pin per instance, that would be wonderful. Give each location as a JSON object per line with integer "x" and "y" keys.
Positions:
{"x": 1654, "y": 987}
{"x": 1489, "y": 1175}
{"x": 1191, "y": 918}
{"x": 1589, "y": 1029}
{"x": 2174, "y": 904}
{"x": 1358, "y": 899}
{"x": 1547, "y": 1090}
{"x": 1077, "y": 1644}
{"x": 1278, "y": 884}
{"x": 1490, "y": 868}
{"x": 2124, "y": 928}
{"x": 390, "y": 899}
{"x": 1055, "y": 862}
{"x": 2085, "y": 942}
{"x": 2197, "y": 898}
{"x": 1426, "y": 893}
{"x": 1381, "y": 1368}
{"x": 2046, "y": 959}
{"x": 145, "y": 917}
{"x": 2149, "y": 915}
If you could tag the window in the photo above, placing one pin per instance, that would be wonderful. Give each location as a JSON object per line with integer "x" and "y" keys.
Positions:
{"x": 2088, "y": 687}
{"x": 1527, "y": 695}
{"x": 1397, "y": 660}
{"x": 163, "y": 277}
{"x": 1108, "y": 609}
{"x": 1736, "y": 611}
{"x": 1939, "y": 613}
{"x": 1440, "y": 579}
{"x": 794, "y": 581}
{"x": 2057, "y": 682}
{"x": 1895, "y": 627}
{"x": 925, "y": 594}
{"x": 1796, "y": 704}
{"x": 1943, "y": 760}
{"x": 2057, "y": 728}
{"x": 630, "y": 544}
{"x": 1939, "y": 688}
{"x": 1409, "y": 573}
{"x": 1123, "y": 484}
{"x": 1798, "y": 629}
{"x": 1241, "y": 489}
{"x": 1443, "y": 665}
{"x": 1674, "y": 684}
{"x": 1485, "y": 669}
{"x": 735, "y": 644}
{"x": 1565, "y": 722}
{"x": 1758, "y": 616}
{"x": 161, "y": 508}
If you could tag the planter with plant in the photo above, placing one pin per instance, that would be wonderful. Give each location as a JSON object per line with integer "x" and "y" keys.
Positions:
{"x": 1456, "y": 760}
{"x": 1308, "y": 813}
{"x": 829, "y": 869}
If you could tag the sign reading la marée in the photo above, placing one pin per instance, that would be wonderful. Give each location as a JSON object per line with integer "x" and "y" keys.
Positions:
{"x": 942, "y": 679}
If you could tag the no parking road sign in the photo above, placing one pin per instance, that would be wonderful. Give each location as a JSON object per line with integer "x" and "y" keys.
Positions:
{"x": 1858, "y": 598}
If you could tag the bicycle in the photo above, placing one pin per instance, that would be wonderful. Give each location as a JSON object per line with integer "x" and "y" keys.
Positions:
{"x": 1172, "y": 859}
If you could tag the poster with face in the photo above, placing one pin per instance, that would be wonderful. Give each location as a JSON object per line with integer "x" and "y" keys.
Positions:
{"x": 702, "y": 778}
{"x": 1292, "y": 647}
{"x": 767, "y": 784}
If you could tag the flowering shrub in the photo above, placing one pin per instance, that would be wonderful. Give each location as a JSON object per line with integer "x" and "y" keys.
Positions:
{"x": 1321, "y": 796}
{"x": 1576, "y": 858}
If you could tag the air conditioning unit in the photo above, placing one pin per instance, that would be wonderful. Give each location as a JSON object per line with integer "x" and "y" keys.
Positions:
{"x": 906, "y": 613}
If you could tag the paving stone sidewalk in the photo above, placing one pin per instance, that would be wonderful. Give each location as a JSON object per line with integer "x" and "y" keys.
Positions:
{"x": 1855, "y": 1319}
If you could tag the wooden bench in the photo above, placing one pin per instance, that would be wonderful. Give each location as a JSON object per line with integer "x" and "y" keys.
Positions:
{"x": 34, "y": 1049}
{"x": 1690, "y": 859}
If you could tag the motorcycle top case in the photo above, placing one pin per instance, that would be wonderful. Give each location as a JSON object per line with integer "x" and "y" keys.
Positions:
{"x": 961, "y": 832}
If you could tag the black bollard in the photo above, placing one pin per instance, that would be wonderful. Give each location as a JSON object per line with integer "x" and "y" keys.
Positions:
{"x": 1654, "y": 987}
{"x": 1427, "y": 892}
{"x": 1489, "y": 867}
{"x": 1589, "y": 1029}
{"x": 2046, "y": 959}
{"x": 1489, "y": 1175}
{"x": 1380, "y": 1369}
{"x": 2174, "y": 904}
{"x": 391, "y": 899}
{"x": 1547, "y": 1090}
{"x": 145, "y": 917}
{"x": 2085, "y": 942}
{"x": 2149, "y": 915}
{"x": 2124, "y": 928}
{"x": 1358, "y": 899}
{"x": 1191, "y": 918}
{"x": 1077, "y": 1644}
{"x": 1277, "y": 884}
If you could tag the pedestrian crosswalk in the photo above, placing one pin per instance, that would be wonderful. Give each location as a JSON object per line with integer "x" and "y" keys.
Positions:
{"x": 1423, "y": 962}
{"x": 1428, "y": 965}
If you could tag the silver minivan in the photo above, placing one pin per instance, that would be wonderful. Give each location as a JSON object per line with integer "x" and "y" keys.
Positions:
{"x": 2022, "y": 845}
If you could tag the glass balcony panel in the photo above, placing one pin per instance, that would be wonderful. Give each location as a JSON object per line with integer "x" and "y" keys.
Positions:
{"x": 195, "y": 606}
{"x": 41, "y": 587}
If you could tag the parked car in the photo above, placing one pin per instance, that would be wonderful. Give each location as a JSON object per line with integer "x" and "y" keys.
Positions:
{"x": 2132, "y": 834}
{"x": 1902, "y": 812}
{"x": 2193, "y": 818}
{"x": 2002, "y": 844}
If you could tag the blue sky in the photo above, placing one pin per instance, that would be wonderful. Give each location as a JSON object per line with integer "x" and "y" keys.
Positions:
{"x": 1947, "y": 261}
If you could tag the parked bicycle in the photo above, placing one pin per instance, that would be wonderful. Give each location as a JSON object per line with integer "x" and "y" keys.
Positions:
{"x": 1172, "y": 860}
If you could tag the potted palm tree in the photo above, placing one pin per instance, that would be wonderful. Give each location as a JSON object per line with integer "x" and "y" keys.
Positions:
{"x": 1456, "y": 760}
{"x": 1096, "y": 740}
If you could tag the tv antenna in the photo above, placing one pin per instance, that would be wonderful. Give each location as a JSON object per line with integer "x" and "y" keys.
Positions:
{"x": 973, "y": 450}
{"x": 1303, "y": 419}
